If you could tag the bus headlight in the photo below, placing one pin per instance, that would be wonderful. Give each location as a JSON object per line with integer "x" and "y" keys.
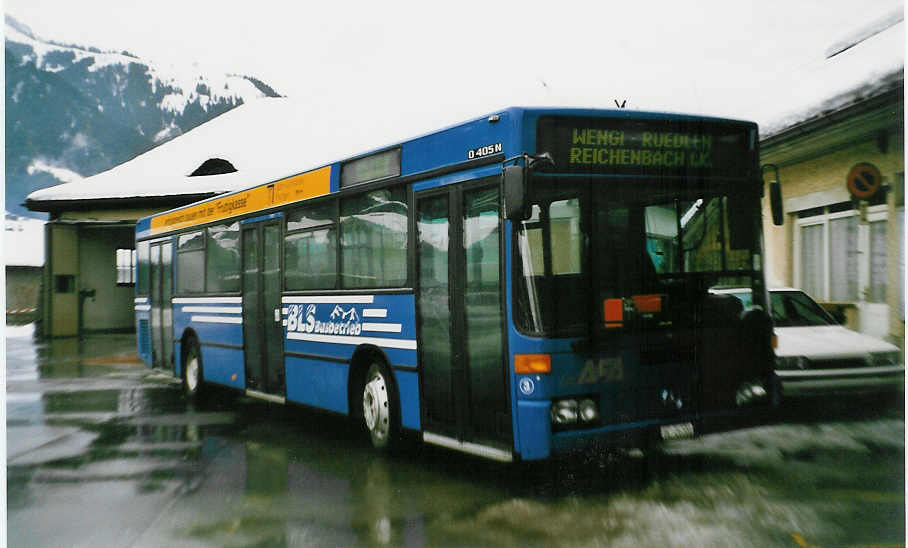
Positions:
{"x": 582, "y": 412}
{"x": 564, "y": 412}
{"x": 589, "y": 411}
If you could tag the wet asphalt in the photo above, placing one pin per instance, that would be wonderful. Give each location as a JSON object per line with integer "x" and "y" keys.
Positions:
{"x": 102, "y": 451}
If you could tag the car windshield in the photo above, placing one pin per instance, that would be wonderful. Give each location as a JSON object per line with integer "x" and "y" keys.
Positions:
{"x": 796, "y": 309}
{"x": 589, "y": 241}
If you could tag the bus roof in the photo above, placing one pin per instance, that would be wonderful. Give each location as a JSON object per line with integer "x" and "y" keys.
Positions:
{"x": 424, "y": 154}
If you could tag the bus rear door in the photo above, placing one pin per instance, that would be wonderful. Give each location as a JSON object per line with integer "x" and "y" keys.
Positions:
{"x": 161, "y": 307}
{"x": 262, "y": 331}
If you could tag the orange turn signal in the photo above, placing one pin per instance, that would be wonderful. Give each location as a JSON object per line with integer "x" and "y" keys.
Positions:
{"x": 775, "y": 341}
{"x": 532, "y": 363}
{"x": 613, "y": 312}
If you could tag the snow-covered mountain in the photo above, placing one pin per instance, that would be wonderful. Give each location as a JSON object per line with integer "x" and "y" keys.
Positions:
{"x": 74, "y": 111}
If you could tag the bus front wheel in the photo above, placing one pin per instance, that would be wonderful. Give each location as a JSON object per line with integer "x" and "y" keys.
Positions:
{"x": 379, "y": 407}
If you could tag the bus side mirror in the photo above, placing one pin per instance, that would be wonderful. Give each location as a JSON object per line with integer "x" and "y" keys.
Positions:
{"x": 513, "y": 181}
{"x": 775, "y": 203}
{"x": 775, "y": 195}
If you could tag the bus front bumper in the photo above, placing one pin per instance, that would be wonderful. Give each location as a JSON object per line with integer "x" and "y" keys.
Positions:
{"x": 538, "y": 441}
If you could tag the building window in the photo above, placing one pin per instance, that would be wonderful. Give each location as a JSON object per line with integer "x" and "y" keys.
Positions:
{"x": 64, "y": 283}
{"x": 126, "y": 266}
{"x": 840, "y": 258}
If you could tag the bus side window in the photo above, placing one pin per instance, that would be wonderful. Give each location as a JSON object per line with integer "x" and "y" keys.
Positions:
{"x": 310, "y": 248}
{"x": 374, "y": 239}
{"x": 191, "y": 263}
{"x": 222, "y": 258}
{"x": 142, "y": 270}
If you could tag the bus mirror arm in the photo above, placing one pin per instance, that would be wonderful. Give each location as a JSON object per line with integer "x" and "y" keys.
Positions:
{"x": 775, "y": 196}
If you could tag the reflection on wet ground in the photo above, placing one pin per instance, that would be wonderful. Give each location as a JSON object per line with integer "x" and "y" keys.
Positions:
{"x": 103, "y": 451}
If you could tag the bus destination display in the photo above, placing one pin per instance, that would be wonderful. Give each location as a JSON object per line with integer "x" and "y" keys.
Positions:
{"x": 605, "y": 145}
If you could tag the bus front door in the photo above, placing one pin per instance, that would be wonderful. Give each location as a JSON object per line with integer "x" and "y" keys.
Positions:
{"x": 262, "y": 331}
{"x": 461, "y": 326}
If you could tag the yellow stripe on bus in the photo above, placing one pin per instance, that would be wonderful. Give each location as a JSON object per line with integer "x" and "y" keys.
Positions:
{"x": 292, "y": 189}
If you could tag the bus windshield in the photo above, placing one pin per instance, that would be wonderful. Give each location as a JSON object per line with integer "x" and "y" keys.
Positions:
{"x": 590, "y": 241}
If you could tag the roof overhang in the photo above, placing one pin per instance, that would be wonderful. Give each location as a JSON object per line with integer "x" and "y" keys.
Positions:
{"x": 163, "y": 202}
{"x": 875, "y": 117}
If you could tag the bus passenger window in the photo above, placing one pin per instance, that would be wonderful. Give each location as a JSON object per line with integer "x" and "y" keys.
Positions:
{"x": 374, "y": 239}
{"x": 222, "y": 254}
{"x": 191, "y": 263}
{"x": 310, "y": 248}
{"x": 142, "y": 271}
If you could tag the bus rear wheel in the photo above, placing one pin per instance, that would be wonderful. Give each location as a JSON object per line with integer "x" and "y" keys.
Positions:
{"x": 379, "y": 407}
{"x": 192, "y": 371}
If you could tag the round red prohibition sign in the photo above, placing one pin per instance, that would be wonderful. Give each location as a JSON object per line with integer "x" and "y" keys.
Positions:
{"x": 864, "y": 180}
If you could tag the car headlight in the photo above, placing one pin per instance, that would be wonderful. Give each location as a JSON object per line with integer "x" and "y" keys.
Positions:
{"x": 886, "y": 358}
{"x": 792, "y": 362}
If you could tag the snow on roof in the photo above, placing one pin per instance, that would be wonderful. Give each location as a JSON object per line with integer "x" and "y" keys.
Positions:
{"x": 868, "y": 62}
{"x": 23, "y": 241}
{"x": 265, "y": 139}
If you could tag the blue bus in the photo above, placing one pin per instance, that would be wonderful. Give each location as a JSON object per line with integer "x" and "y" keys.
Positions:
{"x": 524, "y": 284}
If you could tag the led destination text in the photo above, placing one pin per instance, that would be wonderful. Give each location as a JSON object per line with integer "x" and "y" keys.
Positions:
{"x": 651, "y": 149}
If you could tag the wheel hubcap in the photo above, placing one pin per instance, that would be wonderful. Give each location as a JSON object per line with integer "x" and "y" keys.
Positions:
{"x": 192, "y": 373}
{"x": 375, "y": 407}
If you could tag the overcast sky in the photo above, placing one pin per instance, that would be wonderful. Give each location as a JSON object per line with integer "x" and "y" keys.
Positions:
{"x": 466, "y": 58}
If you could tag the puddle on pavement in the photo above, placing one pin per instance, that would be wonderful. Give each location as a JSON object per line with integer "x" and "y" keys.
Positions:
{"x": 239, "y": 472}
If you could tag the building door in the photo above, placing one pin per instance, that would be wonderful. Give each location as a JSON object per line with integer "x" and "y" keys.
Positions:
{"x": 61, "y": 308}
{"x": 461, "y": 341}
{"x": 262, "y": 330}
{"x": 161, "y": 269}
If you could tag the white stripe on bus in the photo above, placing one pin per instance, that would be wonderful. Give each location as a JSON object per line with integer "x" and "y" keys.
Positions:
{"x": 140, "y": 300}
{"x": 375, "y": 313}
{"x": 216, "y": 319}
{"x": 142, "y": 307}
{"x": 207, "y": 300}
{"x": 384, "y": 327}
{"x": 214, "y": 309}
{"x": 329, "y": 299}
{"x": 405, "y": 344}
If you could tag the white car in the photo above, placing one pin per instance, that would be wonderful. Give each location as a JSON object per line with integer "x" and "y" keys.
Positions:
{"x": 816, "y": 355}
